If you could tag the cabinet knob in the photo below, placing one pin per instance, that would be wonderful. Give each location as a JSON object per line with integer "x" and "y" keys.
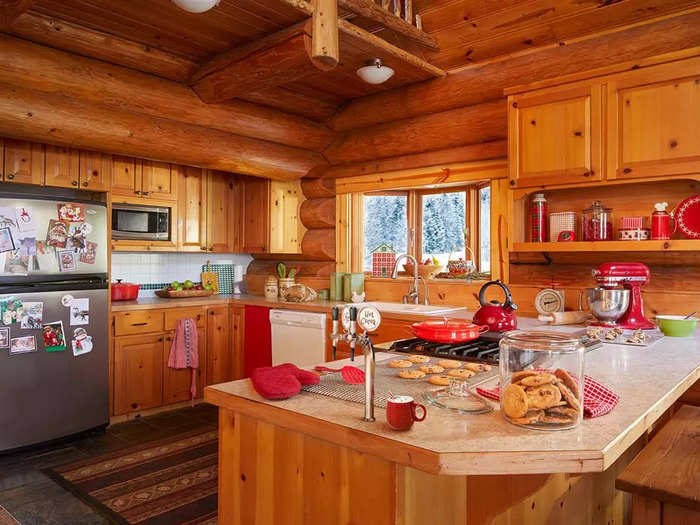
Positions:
{"x": 160, "y": 339}
{"x": 134, "y": 405}
{"x": 137, "y": 192}
{"x": 512, "y": 183}
{"x": 74, "y": 183}
{"x": 145, "y": 193}
{"x": 168, "y": 338}
{"x": 10, "y": 176}
{"x": 85, "y": 184}
{"x": 203, "y": 248}
{"x": 577, "y": 133}
{"x": 587, "y": 173}
{"x": 673, "y": 144}
{"x": 627, "y": 170}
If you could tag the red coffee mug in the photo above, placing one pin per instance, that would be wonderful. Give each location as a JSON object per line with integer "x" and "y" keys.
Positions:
{"x": 401, "y": 412}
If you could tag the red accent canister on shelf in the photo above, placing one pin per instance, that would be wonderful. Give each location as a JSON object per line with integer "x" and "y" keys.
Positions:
{"x": 661, "y": 223}
{"x": 538, "y": 218}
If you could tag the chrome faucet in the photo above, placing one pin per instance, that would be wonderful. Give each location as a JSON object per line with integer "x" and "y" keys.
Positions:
{"x": 413, "y": 291}
{"x": 364, "y": 341}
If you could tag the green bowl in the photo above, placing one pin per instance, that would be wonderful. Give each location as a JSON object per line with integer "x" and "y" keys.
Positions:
{"x": 676, "y": 325}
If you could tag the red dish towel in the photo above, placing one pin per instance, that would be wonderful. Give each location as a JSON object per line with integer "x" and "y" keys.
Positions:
{"x": 598, "y": 399}
{"x": 281, "y": 381}
{"x": 184, "y": 352}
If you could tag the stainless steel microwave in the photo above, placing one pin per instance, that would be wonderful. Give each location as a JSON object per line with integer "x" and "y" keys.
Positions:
{"x": 145, "y": 223}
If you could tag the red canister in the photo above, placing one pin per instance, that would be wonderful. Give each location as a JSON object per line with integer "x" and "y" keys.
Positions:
{"x": 661, "y": 223}
{"x": 538, "y": 218}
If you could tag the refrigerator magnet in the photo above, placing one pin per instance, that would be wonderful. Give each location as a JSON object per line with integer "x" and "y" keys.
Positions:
{"x": 66, "y": 300}
{"x": 76, "y": 237}
{"x": 66, "y": 260}
{"x": 26, "y": 243}
{"x": 22, "y": 345}
{"x": 7, "y": 218}
{"x": 82, "y": 342}
{"x": 32, "y": 316}
{"x": 71, "y": 212}
{"x": 57, "y": 234}
{"x": 4, "y": 338}
{"x": 11, "y": 309}
{"x": 54, "y": 337}
{"x": 88, "y": 256}
{"x": 7, "y": 242}
{"x": 16, "y": 263}
{"x": 25, "y": 219}
{"x": 79, "y": 312}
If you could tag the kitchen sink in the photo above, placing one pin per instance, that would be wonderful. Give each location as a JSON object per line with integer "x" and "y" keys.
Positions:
{"x": 422, "y": 309}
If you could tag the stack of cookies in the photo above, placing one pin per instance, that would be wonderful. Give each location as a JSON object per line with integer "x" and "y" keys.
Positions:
{"x": 439, "y": 373}
{"x": 541, "y": 398}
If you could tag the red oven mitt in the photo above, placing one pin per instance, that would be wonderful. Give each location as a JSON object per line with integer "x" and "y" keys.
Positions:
{"x": 281, "y": 381}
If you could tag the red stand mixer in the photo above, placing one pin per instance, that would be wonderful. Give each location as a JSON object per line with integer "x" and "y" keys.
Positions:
{"x": 609, "y": 276}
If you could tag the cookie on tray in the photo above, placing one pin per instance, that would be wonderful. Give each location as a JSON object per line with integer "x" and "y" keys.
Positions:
{"x": 449, "y": 363}
{"x": 418, "y": 358}
{"x": 463, "y": 373}
{"x": 400, "y": 363}
{"x": 440, "y": 380}
{"x": 411, "y": 374}
{"x": 432, "y": 369}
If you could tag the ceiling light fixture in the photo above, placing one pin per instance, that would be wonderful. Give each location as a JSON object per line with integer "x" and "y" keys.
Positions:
{"x": 196, "y": 6}
{"x": 375, "y": 72}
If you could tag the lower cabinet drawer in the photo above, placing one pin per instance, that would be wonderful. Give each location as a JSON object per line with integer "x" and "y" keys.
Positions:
{"x": 138, "y": 322}
{"x": 173, "y": 316}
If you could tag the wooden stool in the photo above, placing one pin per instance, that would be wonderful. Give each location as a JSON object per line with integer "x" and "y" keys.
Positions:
{"x": 664, "y": 478}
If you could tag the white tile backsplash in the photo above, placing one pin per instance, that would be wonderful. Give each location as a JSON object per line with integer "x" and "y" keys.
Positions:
{"x": 143, "y": 268}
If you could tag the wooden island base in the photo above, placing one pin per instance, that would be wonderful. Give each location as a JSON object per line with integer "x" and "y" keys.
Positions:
{"x": 271, "y": 475}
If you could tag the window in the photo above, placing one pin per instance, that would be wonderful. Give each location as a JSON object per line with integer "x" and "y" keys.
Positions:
{"x": 449, "y": 223}
{"x": 385, "y": 221}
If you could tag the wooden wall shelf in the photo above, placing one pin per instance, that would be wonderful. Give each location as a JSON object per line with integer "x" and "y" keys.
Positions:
{"x": 680, "y": 245}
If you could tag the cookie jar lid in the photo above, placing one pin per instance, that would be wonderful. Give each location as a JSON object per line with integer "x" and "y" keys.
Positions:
{"x": 543, "y": 341}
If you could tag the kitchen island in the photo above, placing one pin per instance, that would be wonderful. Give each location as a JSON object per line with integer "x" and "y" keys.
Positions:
{"x": 311, "y": 458}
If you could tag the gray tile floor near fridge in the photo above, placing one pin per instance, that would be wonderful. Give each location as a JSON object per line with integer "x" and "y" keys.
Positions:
{"x": 33, "y": 499}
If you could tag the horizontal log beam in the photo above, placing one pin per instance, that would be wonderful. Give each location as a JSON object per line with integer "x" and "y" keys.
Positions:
{"x": 318, "y": 187}
{"x": 479, "y": 84}
{"x": 486, "y": 150}
{"x": 11, "y": 9}
{"x": 282, "y": 58}
{"x": 368, "y": 9}
{"x": 319, "y": 244}
{"x": 318, "y": 213}
{"x": 457, "y": 127}
{"x": 94, "y": 81}
{"x": 56, "y": 119}
{"x": 85, "y": 41}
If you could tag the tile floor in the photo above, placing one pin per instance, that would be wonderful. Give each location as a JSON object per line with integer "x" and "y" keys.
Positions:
{"x": 34, "y": 499}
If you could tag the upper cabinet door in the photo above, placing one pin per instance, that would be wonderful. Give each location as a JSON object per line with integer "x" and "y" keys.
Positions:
{"x": 654, "y": 122}
{"x": 220, "y": 212}
{"x": 159, "y": 180}
{"x": 192, "y": 220}
{"x": 555, "y": 136}
{"x": 95, "y": 171}
{"x": 285, "y": 230}
{"x": 256, "y": 215}
{"x": 23, "y": 162}
{"x": 62, "y": 168}
{"x": 126, "y": 176}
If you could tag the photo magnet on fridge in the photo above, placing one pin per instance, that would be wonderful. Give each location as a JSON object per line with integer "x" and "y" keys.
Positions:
{"x": 7, "y": 242}
{"x": 32, "y": 316}
{"x": 22, "y": 345}
{"x": 71, "y": 212}
{"x": 25, "y": 219}
{"x": 54, "y": 337}
{"x": 17, "y": 263}
{"x": 8, "y": 218}
{"x": 79, "y": 312}
{"x": 11, "y": 310}
{"x": 4, "y": 338}
{"x": 88, "y": 256}
{"x": 26, "y": 243}
{"x": 66, "y": 261}
{"x": 76, "y": 237}
{"x": 57, "y": 234}
{"x": 82, "y": 342}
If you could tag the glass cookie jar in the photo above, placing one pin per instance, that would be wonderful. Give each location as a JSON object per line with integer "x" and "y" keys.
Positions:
{"x": 541, "y": 379}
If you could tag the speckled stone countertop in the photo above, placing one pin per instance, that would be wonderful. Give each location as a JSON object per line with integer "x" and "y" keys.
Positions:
{"x": 648, "y": 381}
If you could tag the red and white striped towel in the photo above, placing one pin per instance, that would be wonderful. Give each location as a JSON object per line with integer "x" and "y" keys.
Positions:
{"x": 598, "y": 399}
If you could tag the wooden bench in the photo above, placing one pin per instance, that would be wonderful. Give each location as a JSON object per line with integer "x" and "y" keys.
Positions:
{"x": 664, "y": 479}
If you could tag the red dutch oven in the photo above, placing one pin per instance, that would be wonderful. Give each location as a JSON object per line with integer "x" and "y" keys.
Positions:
{"x": 125, "y": 291}
{"x": 448, "y": 330}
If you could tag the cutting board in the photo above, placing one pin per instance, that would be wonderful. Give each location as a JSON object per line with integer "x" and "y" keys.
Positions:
{"x": 224, "y": 273}
{"x": 210, "y": 277}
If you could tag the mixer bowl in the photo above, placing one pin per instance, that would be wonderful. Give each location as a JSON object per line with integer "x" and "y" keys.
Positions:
{"x": 607, "y": 305}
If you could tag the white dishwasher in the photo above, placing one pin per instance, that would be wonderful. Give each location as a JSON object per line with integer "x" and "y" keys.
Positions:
{"x": 298, "y": 337}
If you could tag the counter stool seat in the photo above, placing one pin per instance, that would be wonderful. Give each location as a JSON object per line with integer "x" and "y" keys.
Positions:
{"x": 664, "y": 479}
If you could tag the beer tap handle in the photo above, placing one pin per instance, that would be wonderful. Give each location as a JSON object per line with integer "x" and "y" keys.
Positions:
{"x": 334, "y": 335}
{"x": 353, "y": 331}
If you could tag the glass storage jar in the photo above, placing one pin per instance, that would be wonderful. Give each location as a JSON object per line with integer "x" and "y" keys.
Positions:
{"x": 541, "y": 379}
{"x": 597, "y": 223}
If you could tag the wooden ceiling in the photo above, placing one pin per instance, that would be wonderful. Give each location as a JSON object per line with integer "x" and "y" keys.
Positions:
{"x": 157, "y": 37}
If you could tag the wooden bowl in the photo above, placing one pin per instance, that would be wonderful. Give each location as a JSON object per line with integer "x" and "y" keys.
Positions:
{"x": 426, "y": 271}
{"x": 175, "y": 294}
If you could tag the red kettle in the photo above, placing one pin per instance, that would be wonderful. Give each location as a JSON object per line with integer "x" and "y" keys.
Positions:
{"x": 498, "y": 317}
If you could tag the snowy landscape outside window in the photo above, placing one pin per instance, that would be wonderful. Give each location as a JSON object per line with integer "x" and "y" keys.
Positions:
{"x": 444, "y": 221}
{"x": 385, "y": 220}
{"x": 485, "y": 229}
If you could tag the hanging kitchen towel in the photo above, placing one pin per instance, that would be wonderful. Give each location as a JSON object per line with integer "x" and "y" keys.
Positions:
{"x": 598, "y": 399}
{"x": 184, "y": 352}
{"x": 281, "y": 381}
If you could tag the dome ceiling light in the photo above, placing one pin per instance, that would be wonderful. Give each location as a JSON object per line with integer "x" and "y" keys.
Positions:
{"x": 375, "y": 72}
{"x": 196, "y": 6}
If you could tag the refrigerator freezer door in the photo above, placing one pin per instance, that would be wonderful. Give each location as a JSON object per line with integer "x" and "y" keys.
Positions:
{"x": 33, "y": 239}
{"x": 52, "y": 394}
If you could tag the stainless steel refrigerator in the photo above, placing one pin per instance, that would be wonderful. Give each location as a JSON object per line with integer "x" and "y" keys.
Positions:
{"x": 54, "y": 362}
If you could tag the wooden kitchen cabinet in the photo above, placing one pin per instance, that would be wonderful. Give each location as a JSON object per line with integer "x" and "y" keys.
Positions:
{"x": 653, "y": 120}
{"x": 192, "y": 209}
{"x": 237, "y": 346}
{"x": 62, "y": 167}
{"x": 271, "y": 216}
{"x": 144, "y": 179}
{"x": 555, "y": 136}
{"x": 220, "y": 222}
{"x": 23, "y": 162}
{"x": 95, "y": 171}
{"x": 138, "y": 372}
{"x": 177, "y": 382}
{"x": 219, "y": 360}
